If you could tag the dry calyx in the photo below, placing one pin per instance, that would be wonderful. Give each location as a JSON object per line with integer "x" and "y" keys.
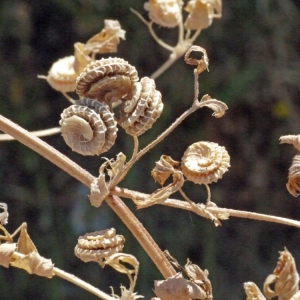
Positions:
{"x": 88, "y": 126}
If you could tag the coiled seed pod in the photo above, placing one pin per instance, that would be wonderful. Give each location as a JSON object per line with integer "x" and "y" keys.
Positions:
{"x": 107, "y": 80}
{"x": 205, "y": 162}
{"x": 62, "y": 76}
{"x": 88, "y": 127}
{"x": 99, "y": 245}
{"x": 142, "y": 109}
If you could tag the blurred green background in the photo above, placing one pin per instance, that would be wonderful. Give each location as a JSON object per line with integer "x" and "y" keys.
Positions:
{"x": 254, "y": 52}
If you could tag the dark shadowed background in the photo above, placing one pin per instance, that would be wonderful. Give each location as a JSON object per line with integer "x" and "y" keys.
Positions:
{"x": 254, "y": 53}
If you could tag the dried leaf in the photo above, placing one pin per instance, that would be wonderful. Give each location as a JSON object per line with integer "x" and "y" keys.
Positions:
{"x": 81, "y": 58}
{"x": 114, "y": 166}
{"x": 284, "y": 279}
{"x": 202, "y": 64}
{"x": 217, "y": 106}
{"x": 162, "y": 194}
{"x": 99, "y": 191}
{"x": 107, "y": 40}
{"x": 164, "y": 168}
{"x": 253, "y": 292}
{"x": 33, "y": 263}
{"x": 25, "y": 244}
{"x": 6, "y": 252}
{"x": 4, "y": 214}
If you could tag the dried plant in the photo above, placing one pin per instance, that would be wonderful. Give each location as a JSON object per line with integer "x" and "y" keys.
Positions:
{"x": 110, "y": 94}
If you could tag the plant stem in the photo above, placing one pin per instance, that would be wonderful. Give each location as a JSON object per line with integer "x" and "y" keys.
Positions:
{"x": 142, "y": 235}
{"x": 125, "y": 193}
{"x": 39, "y": 133}
{"x": 86, "y": 178}
{"x": 73, "y": 279}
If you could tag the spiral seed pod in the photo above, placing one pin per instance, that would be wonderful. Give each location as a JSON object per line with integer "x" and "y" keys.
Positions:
{"x": 165, "y": 13}
{"x": 88, "y": 127}
{"x": 205, "y": 162}
{"x": 142, "y": 109}
{"x": 99, "y": 245}
{"x": 293, "y": 184}
{"x": 62, "y": 76}
{"x": 107, "y": 80}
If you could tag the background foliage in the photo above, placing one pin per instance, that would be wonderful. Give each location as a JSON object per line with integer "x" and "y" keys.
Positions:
{"x": 254, "y": 53}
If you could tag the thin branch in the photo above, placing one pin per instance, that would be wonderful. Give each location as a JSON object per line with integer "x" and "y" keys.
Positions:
{"x": 126, "y": 193}
{"x": 38, "y": 133}
{"x": 73, "y": 279}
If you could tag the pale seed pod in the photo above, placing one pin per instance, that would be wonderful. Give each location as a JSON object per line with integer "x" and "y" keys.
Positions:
{"x": 167, "y": 13}
{"x": 205, "y": 162}
{"x": 99, "y": 245}
{"x": 88, "y": 127}
{"x": 293, "y": 184}
{"x": 107, "y": 80}
{"x": 62, "y": 76}
{"x": 142, "y": 109}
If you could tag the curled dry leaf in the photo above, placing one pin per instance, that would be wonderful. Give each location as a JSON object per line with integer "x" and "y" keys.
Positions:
{"x": 99, "y": 245}
{"x": 164, "y": 168}
{"x": 178, "y": 288}
{"x": 205, "y": 162}
{"x": 217, "y": 106}
{"x": 3, "y": 214}
{"x": 113, "y": 166}
{"x": 118, "y": 261}
{"x": 88, "y": 127}
{"x": 107, "y": 40}
{"x": 283, "y": 283}
{"x": 202, "y": 64}
{"x": 6, "y": 252}
{"x": 201, "y": 13}
{"x": 162, "y": 194}
{"x": 253, "y": 292}
{"x": 167, "y": 13}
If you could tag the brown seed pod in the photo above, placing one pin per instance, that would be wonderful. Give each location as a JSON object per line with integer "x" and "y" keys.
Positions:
{"x": 205, "y": 162}
{"x": 99, "y": 245}
{"x": 107, "y": 80}
{"x": 165, "y": 13}
{"x": 142, "y": 109}
{"x": 88, "y": 127}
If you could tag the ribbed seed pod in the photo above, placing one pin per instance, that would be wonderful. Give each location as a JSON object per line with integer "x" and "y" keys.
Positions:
{"x": 293, "y": 184}
{"x": 166, "y": 13}
{"x": 205, "y": 162}
{"x": 88, "y": 127}
{"x": 107, "y": 79}
{"x": 99, "y": 245}
{"x": 142, "y": 109}
{"x": 62, "y": 76}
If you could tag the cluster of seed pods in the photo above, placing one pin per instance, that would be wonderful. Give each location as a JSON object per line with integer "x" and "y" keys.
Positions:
{"x": 89, "y": 126}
